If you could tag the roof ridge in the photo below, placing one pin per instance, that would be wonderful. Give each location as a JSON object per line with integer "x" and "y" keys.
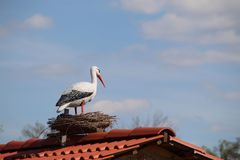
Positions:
{"x": 81, "y": 139}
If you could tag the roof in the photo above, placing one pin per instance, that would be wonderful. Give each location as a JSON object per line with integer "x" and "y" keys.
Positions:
{"x": 101, "y": 145}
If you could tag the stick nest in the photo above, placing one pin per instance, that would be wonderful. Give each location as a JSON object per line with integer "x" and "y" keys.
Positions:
{"x": 81, "y": 124}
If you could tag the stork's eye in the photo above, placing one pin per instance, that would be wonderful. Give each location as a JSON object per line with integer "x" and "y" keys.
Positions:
{"x": 99, "y": 70}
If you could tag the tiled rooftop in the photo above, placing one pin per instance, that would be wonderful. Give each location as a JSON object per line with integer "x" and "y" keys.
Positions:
{"x": 101, "y": 145}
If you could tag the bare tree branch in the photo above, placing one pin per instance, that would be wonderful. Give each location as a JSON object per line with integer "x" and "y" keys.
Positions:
{"x": 34, "y": 131}
{"x": 156, "y": 120}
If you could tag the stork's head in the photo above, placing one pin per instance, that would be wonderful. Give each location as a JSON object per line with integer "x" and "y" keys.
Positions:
{"x": 97, "y": 71}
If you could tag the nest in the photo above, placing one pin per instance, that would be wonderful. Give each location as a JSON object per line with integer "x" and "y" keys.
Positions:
{"x": 81, "y": 124}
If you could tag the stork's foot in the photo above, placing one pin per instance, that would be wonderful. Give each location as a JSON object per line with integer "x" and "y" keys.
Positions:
{"x": 82, "y": 107}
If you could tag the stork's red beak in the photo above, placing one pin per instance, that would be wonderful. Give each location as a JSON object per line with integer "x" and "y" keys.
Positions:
{"x": 101, "y": 79}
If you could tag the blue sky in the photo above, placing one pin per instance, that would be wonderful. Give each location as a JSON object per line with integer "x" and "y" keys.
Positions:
{"x": 179, "y": 58}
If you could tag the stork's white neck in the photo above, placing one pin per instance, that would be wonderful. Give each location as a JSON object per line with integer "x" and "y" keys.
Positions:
{"x": 94, "y": 77}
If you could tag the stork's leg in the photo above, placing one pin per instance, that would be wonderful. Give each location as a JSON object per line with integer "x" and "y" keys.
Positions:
{"x": 82, "y": 106}
{"x": 75, "y": 110}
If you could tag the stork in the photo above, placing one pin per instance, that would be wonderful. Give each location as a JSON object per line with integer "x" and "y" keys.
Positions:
{"x": 80, "y": 93}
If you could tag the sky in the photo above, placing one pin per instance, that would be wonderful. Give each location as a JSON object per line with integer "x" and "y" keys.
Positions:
{"x": 178, "y": 58}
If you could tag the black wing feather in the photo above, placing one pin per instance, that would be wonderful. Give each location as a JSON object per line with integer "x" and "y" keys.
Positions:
{"x": 72, "y": 96}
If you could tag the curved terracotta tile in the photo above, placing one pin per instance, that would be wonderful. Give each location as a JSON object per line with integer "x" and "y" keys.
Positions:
{"x": 13, "y": 145}
{"x": 29, "y": 143}
{"x": 77, "y": 156}
{"x": 150, "y": 132}
{"x": 1, "y": 146}
{"x": 97, "y": 147}
{"x": 135, "y": 141}
{"x": 118, "y": 133}
{"x": 179, "y": 141}
{"x": 74, "y": 139}
{"x": 4, "y": 155}
{"x": 207, "y": 155}
{"x": 117, "y": 151}
{"x": 102, "y": 146}
{"x": 94, "y": 136}
{"x": 116, "y": 145}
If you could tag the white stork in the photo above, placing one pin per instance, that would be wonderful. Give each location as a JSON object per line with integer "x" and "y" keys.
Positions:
{"x": 80, "y": 93}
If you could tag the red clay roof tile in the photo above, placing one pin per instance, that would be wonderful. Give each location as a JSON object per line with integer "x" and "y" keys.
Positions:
{"x": 2, "y": 156}
{"x": 1, "y": 146}
{"x": 29, "y": 143}
{"x": 94, "y": 136}
{"x": 115, "y": 133}
{"x": 151, "y": 131}
{"x": 174, "y": 139}
{"x": 207, "y": 155}
{"x": 102, "y": 145}
{"x": 13, "y": 145}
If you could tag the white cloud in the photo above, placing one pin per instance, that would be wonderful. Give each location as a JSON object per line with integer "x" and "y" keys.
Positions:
{"x": 135, "y": 48}
{"x": 221, "y": 57}
{"x": 191, "y": 57}
{"x": 217, "y": 128}
{"x": 54, "y": 69}
{"x": 206, "y": 6}
{"x": 3, "y": 31}
{"x": 204, "y": 22}
{"x": 210, "y": 29}
{"x": 128, "y": 106}
{"x": 38, "y": 58}
{"x": 145, "y": 6}
{"x": 225, "y": 126}
{"x": 8, "y": 28}
{"x": 234, "y": 95}
{"x": 38, "y": 22}
{"x": 181, "y": 6}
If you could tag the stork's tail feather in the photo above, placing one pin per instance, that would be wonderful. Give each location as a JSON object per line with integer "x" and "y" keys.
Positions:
{"x": 61, "y": 108}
